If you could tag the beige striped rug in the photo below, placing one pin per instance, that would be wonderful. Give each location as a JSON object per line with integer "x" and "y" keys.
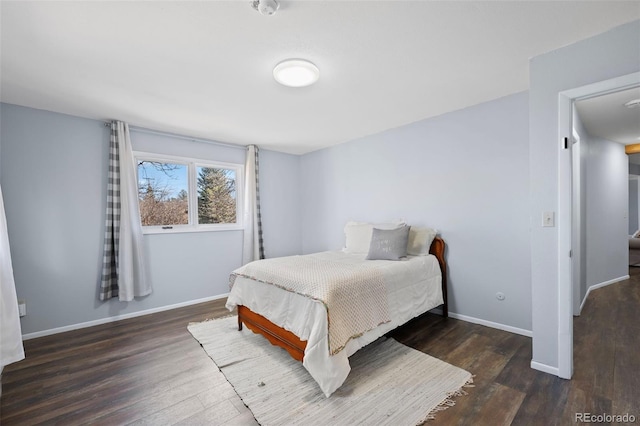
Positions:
{"x": 389, "y": 383}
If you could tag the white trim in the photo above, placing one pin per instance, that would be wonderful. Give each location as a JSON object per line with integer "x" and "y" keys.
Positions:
{"x": 101, "y": 321}
{"x": 603, "y": 284}
{"x": 576, "y": 218}
{"x": 565, "y": 265}
{"x": 164, "y": 158}
{"x": 115, "y": 318}
{"x": 565, "y": 223}
{"x": 545, "y": 368}
{"x": 497, "y": 325}
{"x": 182, "y": 229}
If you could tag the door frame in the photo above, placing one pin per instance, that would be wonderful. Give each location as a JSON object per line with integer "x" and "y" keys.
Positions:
{"x": 565, "y": 263}
{"x": 576, "y": 218}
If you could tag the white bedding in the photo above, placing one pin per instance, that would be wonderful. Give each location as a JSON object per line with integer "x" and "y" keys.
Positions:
{"x": 413, "y": 287}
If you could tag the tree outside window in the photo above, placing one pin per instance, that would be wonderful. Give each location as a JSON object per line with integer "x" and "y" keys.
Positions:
{"x": 216, "y": 195}
{"x": 162, "y": 193}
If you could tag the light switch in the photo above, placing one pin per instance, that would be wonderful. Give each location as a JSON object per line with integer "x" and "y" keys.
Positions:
{"x": 548, "y": 219}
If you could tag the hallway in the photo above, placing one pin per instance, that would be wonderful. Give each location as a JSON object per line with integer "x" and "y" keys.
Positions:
{"x": 606, "y": 350}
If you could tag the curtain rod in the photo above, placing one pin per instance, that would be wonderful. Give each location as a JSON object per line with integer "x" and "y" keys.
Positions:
{"x": 187, "y": 138}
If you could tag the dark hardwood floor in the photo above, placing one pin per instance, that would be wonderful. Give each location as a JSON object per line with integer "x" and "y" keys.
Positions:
{"x": 149, "y": 370}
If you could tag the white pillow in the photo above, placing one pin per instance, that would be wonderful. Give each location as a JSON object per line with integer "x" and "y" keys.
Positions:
{"x": 420, "y": 240}
{"x": 358, "y": 234}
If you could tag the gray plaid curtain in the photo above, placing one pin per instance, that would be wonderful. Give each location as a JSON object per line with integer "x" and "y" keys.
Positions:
{"x": 258, "y": 219}
{"x": 109, "y": 284}
{"x": 124, "y": 273}
{"x": 253, "y": 241}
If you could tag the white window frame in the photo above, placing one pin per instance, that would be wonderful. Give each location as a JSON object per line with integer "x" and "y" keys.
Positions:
{"x": 192, "y": 190}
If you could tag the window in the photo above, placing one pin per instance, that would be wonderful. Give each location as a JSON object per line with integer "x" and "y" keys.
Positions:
{"x": 217, "y": 201}
{"x": 163, "y": 193}
{"x": 184, "y": 195}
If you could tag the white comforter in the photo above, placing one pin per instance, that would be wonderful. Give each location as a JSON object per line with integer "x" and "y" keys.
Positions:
{"x": 413, "y": 287}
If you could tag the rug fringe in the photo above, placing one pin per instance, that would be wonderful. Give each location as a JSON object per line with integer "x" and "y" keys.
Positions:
{"x": 213, "y": 319}
{"x": 470, "y": 383}
{"x": 449, "y": 401}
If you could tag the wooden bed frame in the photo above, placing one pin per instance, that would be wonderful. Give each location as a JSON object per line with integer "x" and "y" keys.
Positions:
{"x": 278, "y": 336}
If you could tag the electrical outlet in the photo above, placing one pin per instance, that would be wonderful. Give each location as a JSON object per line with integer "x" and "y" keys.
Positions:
{"x": 22, "y": 308}
{"x": 548, "y": 219}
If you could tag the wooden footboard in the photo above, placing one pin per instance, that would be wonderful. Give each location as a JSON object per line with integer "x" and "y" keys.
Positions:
{"x": 278, "y": 336}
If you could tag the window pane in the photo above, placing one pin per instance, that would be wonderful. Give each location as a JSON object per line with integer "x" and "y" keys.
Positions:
{"x": 163, "y": 193}
{"x": 216, "y": 195}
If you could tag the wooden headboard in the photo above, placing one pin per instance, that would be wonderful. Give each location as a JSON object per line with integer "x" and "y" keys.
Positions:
{"x": 437, "y": 249}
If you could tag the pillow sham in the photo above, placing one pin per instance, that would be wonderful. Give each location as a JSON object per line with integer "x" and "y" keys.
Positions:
{"x": 358, "y": 235}
{"x": 388, "y": 244}
{"x": 636, "y": 234}
{"x": 420, "y": 240}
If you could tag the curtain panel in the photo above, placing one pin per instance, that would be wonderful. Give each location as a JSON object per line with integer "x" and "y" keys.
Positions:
{"x": 11, "y": 348}
{"x": 124, "y": 273}
{"x": 253, "y": 247}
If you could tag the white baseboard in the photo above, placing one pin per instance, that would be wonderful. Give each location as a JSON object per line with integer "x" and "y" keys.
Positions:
{"x": 545, "y": 368}
{"x": 71, "y": 327}
{"x": 119, "y": 317}
{"x": 596, "y": 286}
{"x": 492, "y": 324}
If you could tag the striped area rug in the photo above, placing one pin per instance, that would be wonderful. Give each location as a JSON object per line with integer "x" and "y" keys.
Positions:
{"x": 389, "y": 383}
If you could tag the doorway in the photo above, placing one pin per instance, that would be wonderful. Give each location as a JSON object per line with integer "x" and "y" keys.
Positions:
{"x": 600, "y": 190}
{"x": 566, "y": 302}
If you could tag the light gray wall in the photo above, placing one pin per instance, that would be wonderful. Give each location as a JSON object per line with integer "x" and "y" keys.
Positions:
{"x": 463, "y": 173}
{"x": 633, "y": 206}
{"x": 53, "y": 172}
{"x": 612, "y": 54}
{"x": 604, "y": 200}
{"x": 54, "y": 178}
{"x": 634, "y": 169}
{"x": 607, "y": 206}
{"x": 280, "y": 203}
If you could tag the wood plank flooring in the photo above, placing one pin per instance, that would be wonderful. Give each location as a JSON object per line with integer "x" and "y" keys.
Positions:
{"x": 149, "y": 370}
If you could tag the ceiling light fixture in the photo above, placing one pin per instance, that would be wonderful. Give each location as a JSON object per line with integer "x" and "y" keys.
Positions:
{"x": 265, "y": 7}
{"x": 296, "y": 73}
{"x": 632, "y": 103}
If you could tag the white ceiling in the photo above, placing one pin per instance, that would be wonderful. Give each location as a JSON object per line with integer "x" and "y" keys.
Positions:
{"x": 204, "y": 69}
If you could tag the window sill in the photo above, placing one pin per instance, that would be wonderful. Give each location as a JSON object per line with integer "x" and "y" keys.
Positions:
{"x": 188, "y": 229}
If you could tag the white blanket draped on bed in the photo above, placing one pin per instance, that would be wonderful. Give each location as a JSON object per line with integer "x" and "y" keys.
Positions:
{"x": 412, "y": 287}
{"x": 353, "y": 293}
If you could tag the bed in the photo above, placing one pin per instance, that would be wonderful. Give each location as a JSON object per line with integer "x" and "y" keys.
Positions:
{"x": 301, "y": 324}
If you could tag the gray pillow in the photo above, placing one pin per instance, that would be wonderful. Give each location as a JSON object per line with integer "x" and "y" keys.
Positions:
{"x": 388, "y": 244}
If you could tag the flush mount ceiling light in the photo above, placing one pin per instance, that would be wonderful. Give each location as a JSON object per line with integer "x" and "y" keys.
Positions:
{"x": 633, "y": 103}
{"x": 265, "y": 7}
{"x": 296, "y": 73}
